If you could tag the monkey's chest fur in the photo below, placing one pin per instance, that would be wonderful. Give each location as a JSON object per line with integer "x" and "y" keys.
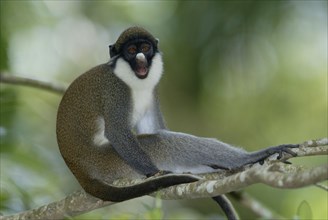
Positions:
{"x": 141, "y": 105}
{"x": 140, "y": 113}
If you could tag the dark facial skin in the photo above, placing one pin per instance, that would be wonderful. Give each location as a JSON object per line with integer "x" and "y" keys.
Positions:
{"x": 132, "y": 53}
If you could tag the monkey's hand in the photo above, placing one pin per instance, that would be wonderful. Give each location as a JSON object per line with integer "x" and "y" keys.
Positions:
{"x": 260, "y": 156}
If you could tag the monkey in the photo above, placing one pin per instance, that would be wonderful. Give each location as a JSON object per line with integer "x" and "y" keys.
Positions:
{"x": 110, "y": 126}
{"x": 101, "y": 114}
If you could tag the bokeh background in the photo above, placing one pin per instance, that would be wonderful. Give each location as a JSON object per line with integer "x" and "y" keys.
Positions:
{"x": 251, "y": 73}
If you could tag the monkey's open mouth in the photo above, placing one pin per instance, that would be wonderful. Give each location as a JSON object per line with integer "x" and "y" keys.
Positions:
{"x": 141, "y": 66}
{"x": 141, "y": 71}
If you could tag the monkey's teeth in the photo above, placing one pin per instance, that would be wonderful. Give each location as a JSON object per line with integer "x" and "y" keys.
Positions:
{"x": 141, "y": 71}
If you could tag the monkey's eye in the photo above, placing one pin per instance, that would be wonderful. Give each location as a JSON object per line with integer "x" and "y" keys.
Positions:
{"x": 132, "y": 49}
{"x": 145, "y": 48}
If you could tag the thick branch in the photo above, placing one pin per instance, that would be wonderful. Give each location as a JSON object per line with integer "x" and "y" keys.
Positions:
{"x": 266, "y": 174}
{"x": 273, "y": 173}
{"x": 10, "y": 79}
{"x": 74, "y": 204}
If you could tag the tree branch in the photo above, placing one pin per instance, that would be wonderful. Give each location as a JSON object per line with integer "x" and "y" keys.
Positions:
{"x": 74, "y": 204}
{"x": 272, "y": 173}
{"x": 17, "y": 80}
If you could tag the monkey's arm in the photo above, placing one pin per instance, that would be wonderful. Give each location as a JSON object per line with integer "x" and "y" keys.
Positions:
{"x": 118, "y": 131}
{"x": 128, "y": 148}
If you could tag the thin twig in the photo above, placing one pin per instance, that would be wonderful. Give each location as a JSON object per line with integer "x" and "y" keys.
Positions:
{"x": 17, "y": 80}
{"x": 321, "y": 186}
{"x": 254, "y": 205}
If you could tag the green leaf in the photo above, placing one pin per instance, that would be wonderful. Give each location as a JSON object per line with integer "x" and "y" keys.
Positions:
{"x": 304, "y": 210}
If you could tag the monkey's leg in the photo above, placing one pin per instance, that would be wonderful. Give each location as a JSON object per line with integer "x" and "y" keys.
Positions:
{"x": 226, "y": 207}
{"x": 179, "y": 152}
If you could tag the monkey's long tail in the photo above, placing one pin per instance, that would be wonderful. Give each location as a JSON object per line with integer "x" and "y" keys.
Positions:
{"x": 226, "y": 206}
{"x": 112, "y": 193}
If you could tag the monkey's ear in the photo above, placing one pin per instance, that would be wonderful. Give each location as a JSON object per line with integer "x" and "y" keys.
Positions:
{"x": 112, "y": 51}
{"x": 156, "y": 41}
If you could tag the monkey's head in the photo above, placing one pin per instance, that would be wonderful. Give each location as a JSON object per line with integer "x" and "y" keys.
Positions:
{"x": 137, "y": 47}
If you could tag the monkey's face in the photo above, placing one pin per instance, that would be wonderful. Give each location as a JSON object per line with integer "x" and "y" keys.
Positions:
{"x": 136, "y": 60}
{"x": 139, "y": 53}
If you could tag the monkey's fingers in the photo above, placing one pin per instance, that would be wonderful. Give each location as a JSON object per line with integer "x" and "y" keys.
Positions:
{"x": 286, "y": 148}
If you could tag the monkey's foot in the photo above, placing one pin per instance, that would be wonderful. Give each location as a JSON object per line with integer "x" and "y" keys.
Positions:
{"x": 283, "y": 148}
{"x": 280, "y": 149}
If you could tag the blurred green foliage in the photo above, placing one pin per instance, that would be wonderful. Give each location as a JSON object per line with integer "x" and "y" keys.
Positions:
{"x": 251, "y": 73}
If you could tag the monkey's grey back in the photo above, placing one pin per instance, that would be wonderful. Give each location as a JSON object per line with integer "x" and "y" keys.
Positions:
{"x": 78, "y": 112}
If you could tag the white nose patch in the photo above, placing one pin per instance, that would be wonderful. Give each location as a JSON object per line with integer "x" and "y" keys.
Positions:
{"x": 140, "y": 56}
